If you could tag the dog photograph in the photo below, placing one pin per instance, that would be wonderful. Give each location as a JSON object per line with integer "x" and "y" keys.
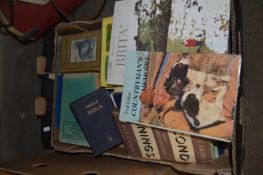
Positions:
{"x": 192, "y": 93}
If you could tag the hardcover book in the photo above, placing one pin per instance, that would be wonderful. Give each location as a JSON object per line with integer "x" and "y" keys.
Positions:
{"x": 105, "y": 49}
{"x": 191, "y": 93}
{"x": 59, "y": 84}
{"x": 94, "y": 115}
{"x": 171, "y": 25}
{"x": 152, "y": 143}
{"x": 75, "y": 85}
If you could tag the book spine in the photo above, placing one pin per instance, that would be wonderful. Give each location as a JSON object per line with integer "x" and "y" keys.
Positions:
{"x": 164, "y": 145}
{"x": 129, "y": 138}
{"x": 146, "y": 141}
{"x": 203, "y": 150}
{"x": 58, "y": 99}
{"x": 151, "y": 143}
{"x": 106, "y": 35}
{"x": 182, "y": 147}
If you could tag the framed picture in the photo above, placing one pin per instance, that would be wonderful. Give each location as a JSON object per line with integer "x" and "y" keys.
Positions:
{"x": 81, "y": 52}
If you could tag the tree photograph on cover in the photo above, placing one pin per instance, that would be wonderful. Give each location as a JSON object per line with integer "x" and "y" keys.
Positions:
{"x": 182, "y": 25}
{"x": 194, "y": 93}
{"x": 189, "y": 26}
{"x": 199, "y": 26}
{"x": 153, "y": 19}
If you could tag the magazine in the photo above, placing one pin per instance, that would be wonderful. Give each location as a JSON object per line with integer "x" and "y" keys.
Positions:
{"x": 191, "y": 93}
{"x": 171, "y": 25}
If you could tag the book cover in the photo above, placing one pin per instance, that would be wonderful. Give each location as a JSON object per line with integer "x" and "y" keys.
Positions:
{"x": 116, "y": 99}
{"x": 171, "y": 25}
{"x": 152, "y": 143}
{"x": 75, "y": 85}
{"x": 190, "y": 93}
{"x": 94, "y": 115}
{"x": 105, "y": 48}
{"x": 59, "y": 84}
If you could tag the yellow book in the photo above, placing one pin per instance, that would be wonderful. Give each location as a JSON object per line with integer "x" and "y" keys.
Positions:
{"x": 105, "y": 48}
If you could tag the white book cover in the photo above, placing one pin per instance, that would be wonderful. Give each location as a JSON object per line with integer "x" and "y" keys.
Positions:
{"x": 166, "y": 25}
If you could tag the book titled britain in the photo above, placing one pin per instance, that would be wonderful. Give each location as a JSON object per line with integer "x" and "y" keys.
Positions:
{"x": 94, "y": 115}
{"x": 171, "y": 25}
{"x": 194, "y": 94}
{"x": 152, "y": 143}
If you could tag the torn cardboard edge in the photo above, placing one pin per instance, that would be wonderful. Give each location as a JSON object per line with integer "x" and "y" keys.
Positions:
{"x": 55, "y": 163}
{"x": 41, "y": 63}
{"x": 40, "y": 106}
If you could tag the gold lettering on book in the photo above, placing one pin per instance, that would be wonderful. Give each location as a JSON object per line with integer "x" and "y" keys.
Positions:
{"x": 93, "y": 107}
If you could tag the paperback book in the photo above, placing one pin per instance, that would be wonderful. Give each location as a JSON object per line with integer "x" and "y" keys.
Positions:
{"x": 75, "y": 85}
{"x": 194, "y": 94}
{"x": 152, "y": 143}
{"x": 166, "y": 26}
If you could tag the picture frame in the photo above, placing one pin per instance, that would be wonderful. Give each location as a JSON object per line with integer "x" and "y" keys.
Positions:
{"x": 81, "y": 52}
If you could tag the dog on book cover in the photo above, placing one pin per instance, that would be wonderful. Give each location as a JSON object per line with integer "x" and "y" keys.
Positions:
{"x": 194, "y": 93}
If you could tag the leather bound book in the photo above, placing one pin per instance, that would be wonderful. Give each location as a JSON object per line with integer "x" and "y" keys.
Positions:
{"x": 94, "y": 115}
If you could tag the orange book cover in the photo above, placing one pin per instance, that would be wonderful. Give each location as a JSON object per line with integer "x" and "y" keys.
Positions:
{"x": 190, "y": 93}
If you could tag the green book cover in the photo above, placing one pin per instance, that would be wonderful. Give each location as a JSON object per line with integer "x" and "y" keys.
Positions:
{"x": 75, "y": 86}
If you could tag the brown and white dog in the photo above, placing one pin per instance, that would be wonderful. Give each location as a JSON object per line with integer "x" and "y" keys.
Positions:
{"x": 199, "y": 110}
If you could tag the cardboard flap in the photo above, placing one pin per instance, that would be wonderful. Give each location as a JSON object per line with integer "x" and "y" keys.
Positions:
{"x": 41, "y": 65}
{"x": 67, "y": 164}
{"x": 40, "y": 106}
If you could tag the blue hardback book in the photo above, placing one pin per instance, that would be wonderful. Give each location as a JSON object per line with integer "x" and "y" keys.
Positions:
{"x": 94, "y": 115}
{"x": 59, "y": 82}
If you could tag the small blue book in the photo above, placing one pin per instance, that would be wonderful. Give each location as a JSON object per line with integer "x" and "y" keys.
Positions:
{"x": 59, "y": 82}
{"x": 94, "y": 115}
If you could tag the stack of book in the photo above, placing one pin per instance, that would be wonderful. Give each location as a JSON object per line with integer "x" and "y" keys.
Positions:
{"x": 165, "y": 70}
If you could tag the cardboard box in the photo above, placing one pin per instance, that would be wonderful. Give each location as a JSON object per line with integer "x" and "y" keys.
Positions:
{"x": 82, "y": 164}
{"x": 222, "y": 165}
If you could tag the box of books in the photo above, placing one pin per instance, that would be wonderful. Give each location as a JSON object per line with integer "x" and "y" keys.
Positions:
{"x": 194, "y": 87}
